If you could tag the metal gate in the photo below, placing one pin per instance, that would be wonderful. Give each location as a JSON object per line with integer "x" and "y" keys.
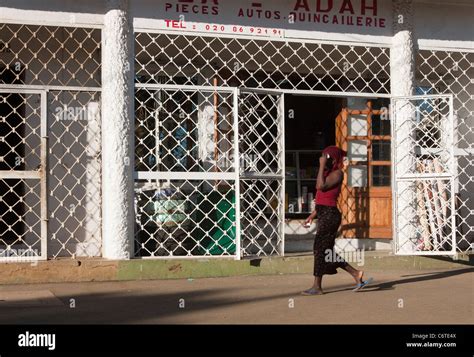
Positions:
{"x": 424, "y": 167}
{"x": 23, "y": 206}
{"x": 451, "y": 72}
{"x": 262, "y": 182}
{"x": 50, "y": 73}
{"x": 208, "y": 172}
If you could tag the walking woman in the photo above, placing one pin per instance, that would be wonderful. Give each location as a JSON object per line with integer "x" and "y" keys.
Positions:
{"x": 328, "y": 186}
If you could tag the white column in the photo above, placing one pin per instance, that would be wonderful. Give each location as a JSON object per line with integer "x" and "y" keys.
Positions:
{"x": 402, "y": 58}
{"x": 117, "y": 131}
{"x": 402, "y": 79}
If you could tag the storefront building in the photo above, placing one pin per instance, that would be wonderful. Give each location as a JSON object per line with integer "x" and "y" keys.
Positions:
{"x": 188, "y": 129}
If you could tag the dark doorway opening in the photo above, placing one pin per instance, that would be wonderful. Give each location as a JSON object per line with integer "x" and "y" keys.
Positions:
{"x": 310, "y": 126}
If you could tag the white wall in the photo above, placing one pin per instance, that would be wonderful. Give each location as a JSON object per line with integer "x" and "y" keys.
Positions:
{"x": 444, "y": 23}
{"x": 59, "y": 12}
{"x": 437, "y": 23}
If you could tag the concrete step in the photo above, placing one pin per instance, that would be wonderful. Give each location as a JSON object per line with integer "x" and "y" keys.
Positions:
{"x": 80, "y": 270}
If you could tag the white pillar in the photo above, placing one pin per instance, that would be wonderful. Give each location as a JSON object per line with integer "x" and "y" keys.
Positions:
{"x": 402, "y": 79}
{"x": 117, "y": 131}
{"x": 402, "y": 58}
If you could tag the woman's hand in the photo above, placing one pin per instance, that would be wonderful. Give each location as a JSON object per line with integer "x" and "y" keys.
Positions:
{"x": 310, "y": 218}
{"x": 322, "y": 161}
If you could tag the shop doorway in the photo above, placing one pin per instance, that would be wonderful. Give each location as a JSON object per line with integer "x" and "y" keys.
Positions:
{"x": 310, "y": 126}
{"x": 356, "y": 125}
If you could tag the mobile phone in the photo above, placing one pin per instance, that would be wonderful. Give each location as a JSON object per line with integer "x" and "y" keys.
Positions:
{"x": 329, "y": 163}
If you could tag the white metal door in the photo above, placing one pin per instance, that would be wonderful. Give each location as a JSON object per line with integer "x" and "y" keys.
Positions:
{"x": 424, "y": 171}
{"x": 23, "y": 205}
{"x": 262, "y": 181}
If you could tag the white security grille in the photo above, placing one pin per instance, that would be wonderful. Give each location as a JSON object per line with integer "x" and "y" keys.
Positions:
{"x": 202, "y": 190}
{"x": 65, "y": 63}
{"x": 257, "y": 63}
{"x": 74, "y": 171}
{"x": 184, "y": 130}
{"x": 448, "y": 72}
{"x": 47, "y": 55}
{"x": 262, "y": 230}
{"x": 424, "y": 173}
{"x": 261, "y": 151}
{"x": 170, "y": 60}
{"x": 22, "y": 175}
{"x": 185, "y": 163}
{"x": 185, "y": 218}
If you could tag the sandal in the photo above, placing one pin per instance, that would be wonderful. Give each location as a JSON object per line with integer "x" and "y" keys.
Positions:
{"x": 311, "y": 292}
{"x": 362, "y": 285}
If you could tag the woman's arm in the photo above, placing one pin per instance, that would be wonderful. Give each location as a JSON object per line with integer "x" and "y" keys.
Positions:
{"x": 333, "y": 179}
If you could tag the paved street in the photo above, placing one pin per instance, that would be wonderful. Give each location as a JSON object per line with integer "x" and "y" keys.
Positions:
{"x": 425, "y": 297}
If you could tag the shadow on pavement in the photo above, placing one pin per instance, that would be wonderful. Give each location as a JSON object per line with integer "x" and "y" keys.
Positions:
{"x": 469, "y": 262}
{"x": 125, "y": 308}
{"x": 389, "y": 285}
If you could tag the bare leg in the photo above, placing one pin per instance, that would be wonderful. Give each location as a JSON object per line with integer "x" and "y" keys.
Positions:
{"x": 316, "y": 289}
{"x": 317, "y": 283}
{"x": 356, "y": 274}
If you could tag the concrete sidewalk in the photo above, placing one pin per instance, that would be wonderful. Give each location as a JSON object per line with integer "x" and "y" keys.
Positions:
{"x": 396, "y": 296}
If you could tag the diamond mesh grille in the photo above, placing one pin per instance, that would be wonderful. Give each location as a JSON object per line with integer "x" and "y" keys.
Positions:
{"x": 185, "y": 218}
{"x": 64, "y": 57}
{"x": 261, "y": 217}
{"x": 184, "y": 130}
{"x": 261, "y": 170}
{"x": 453, "y": 72}
{"x": 424, "y": 174}
{"x": 253, "y": 63}
{"x": 20, "y": 175}
{"x": 20, "y": 222}
{"x": 186, "y": 135}
{"x": 74, "y": 181}
{"x": 20, "y": 125}
{"x": 429, "y": 215}
{"x": 260, "y": 134}
{"x": 46, "y": 55}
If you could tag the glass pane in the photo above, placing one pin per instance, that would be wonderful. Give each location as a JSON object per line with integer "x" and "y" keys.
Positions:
{"x": 380, "y": 126}
{"x": 357, "y": 125}
{"x": 309, "y": 162}
{"x": 308, "y": 192}
{"x": 381, "y": 150}
{"x": 290, "y": 165}
{"x": 379, "y": 103}
{"x": 380, "y": 175}
{"x": 291, "y": 197}
{"x": 357, "y": 150}
{"x": 357, "y": 176}
{"x": 357, "y": 103}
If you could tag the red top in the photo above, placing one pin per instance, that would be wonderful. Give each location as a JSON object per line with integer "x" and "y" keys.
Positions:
{"x": 329, "y": 197}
